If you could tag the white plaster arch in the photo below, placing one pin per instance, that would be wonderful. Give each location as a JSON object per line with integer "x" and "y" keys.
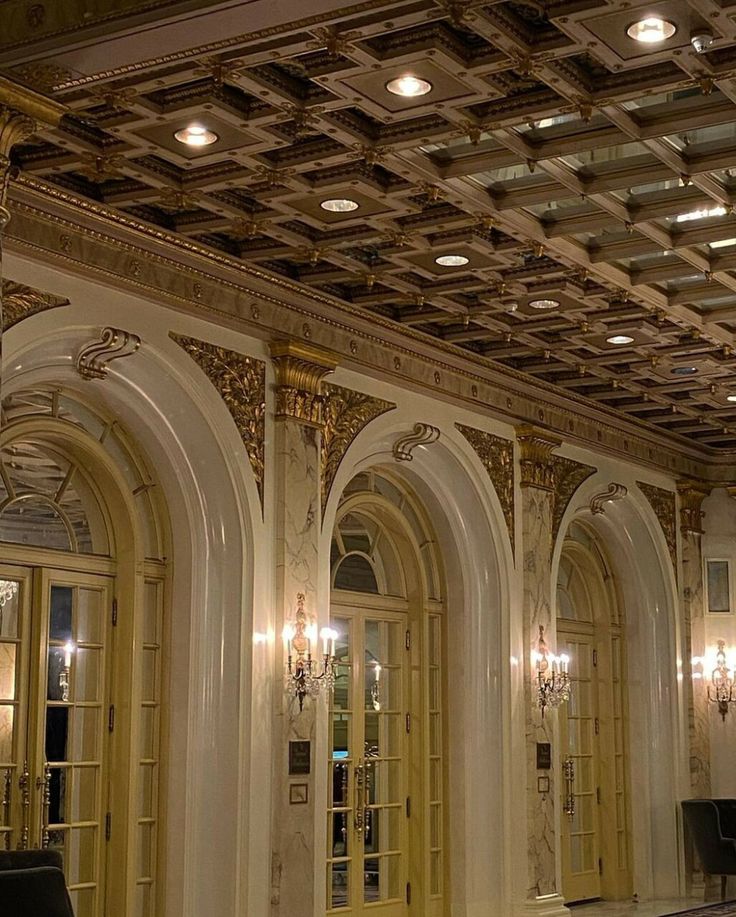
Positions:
{"x": 632, "y": 539}
{"x": 181, "y": 424}
{"x": 481, "y": 583}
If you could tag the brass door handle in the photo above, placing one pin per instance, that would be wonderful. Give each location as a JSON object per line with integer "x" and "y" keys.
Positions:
{"x": 568, "y": 768}
{"x": 7, "y": 797}
{"x": 44, "y": 784}
{"x": 359, "y": 796}
{"x": 24, "y": 785}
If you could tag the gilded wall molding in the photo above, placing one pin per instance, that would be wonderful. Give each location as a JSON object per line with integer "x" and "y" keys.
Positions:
{"x": 664, "y": 504}
{"x": 535, "y": 448}
{"x": 422, "y": 434}
{"x": 241, "y": 382}
{"x": 345, "y": 414}
{"x": 20, "y": 302}
{"x": 568, "y": 475}
{"x": 299, "y": 370}
{"x": 93, "y": 360}
{"x": 497, "y": 457}
{"x": 611, "y": 494}
{"x": 692, "y": 494}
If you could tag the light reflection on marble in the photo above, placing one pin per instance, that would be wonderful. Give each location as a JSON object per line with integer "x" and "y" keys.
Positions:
{"x": 630, "y": 909}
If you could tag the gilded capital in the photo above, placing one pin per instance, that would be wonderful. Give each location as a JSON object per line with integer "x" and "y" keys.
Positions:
{"x": 692, "y": 494}
{"x": 537, "y": 466}
{"x": 300, "y": 369}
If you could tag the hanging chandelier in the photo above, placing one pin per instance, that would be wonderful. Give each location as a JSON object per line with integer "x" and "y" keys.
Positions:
{"x": 8, "y": 591}
{"x": 551, "y": 679}
{"x": 306, "y": 674}
{"x": 720, "y": 689}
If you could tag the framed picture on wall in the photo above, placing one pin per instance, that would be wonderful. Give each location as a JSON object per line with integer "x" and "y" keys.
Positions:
{"x": 718, "y": 586}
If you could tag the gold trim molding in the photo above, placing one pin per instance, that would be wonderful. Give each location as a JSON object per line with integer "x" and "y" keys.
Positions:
{"x": 567, "y": 475}
{"x": 300, "y": 370}
{"x": 664, "y": 504}
{"x": 20, "y": 302}
{"x": 692, "y": 494}
{"x": 535, "y": 448}
{"x": 241, "y": 383}
{"x": 497, "y": 457}
{"x": 346, "y": 414}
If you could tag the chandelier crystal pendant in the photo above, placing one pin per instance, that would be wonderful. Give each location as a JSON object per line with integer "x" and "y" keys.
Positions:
{"x": 551, "y": 680}
{"x": 307, "y": 676}
{"x": 720, "y": 690}
{"x": 8, "y": 591}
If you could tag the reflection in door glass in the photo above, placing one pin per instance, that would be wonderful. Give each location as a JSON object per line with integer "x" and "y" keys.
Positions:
{"x": 60, "y": 616}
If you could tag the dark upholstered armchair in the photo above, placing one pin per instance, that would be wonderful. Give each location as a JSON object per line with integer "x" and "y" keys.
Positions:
{"x": 32, "y": 884}
{"x": 712, "y": 825}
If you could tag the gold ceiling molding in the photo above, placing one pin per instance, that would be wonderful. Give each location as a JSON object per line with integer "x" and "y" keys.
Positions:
{"x": 692, "y": 494}
{"x": 20, "y": 301}
{"x": 536, "y": 447}
{"x": 497, "y": 457}
{"x": 241, "y": 382}
{"x": 24, "y": 101}
{"x": 93, "y": 360}
{"x": 568, "y": 475}
{"x": 300, "y": 369}
{"x": 345, "y": 414}
{"x": 663, "y": 502}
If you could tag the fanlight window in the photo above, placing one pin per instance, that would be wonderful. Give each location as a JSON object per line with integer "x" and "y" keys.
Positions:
{"x": 585, "y": 588}
{"x": 363, "y": 558}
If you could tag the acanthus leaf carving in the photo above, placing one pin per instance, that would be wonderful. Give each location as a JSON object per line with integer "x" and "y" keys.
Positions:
{"x": 692, "y": 494}
{"x": 568, "y": 475}
{"x": 93, "y": 360}
{"x": 497, "y": 457}
{"x": 535, "y": 460}
{"x": 345, "y": 413}
{"x": 612, "y": 493}
{"x": 423, "y": 434}
{"x": 663, "y": 502}
{"x": 20, "y": 302}
{"x": 241, "y": 383}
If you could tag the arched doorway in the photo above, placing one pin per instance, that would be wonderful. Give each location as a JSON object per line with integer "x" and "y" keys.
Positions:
{"x": 386, "y": 809}
{"x": 595, "y": 830}
{"x": 82, "y": 584}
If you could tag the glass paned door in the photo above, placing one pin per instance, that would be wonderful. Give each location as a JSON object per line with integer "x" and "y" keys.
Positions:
{"x": 579, "y": 728}
{"x": 367, "y": 856}
{"x": 54, "y": 649}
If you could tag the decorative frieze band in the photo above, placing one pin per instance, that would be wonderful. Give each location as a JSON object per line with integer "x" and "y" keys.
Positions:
{"x": 241, "y": 382}
{"x": 497, "y": 456}
{"x": 300, "y": 370}
{"x": 345, "y": 414}
{"x": 663, "y": 502}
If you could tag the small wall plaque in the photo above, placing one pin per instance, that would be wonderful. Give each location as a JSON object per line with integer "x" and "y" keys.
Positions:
{"x": 300, "y": 758}
{"x": 544, "y": 756}
{"x": 298, "y": 794}
{"x": 543, "y": 785}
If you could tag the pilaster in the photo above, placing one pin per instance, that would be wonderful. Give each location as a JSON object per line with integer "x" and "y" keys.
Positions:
{"x": 299, "y": 371}
{"x": 537, "y": 510}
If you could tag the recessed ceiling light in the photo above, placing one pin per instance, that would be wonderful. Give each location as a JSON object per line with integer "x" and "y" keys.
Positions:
{"x": 651, "y": 30}
{"x": 702, "y": 214}
{"x": 339, "y": 205}
{"x": 196, "y": 135}
{"x": 620, "y": 339}
{"x": 730, "y": 397}
{"x": 544, "y": 304}
{"x": 684, "y": 370}
{"x": 409, "y": 86}
{"x": 451, "y": 260}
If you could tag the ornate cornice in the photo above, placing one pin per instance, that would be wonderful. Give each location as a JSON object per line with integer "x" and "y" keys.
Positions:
{"x": 535, "y": 446}
{"x": 497, "y": 456}
{"x": 300, "y": 370}
{"x": 241, "y": 382}
{"x": 20, "y": 301}
{"x": 345, "y": 413}
{"x": 93, "y": 360}
{"x": 663, "y": 502}
{"x": 568, "y": 475}
{"x": 692, "y": 494}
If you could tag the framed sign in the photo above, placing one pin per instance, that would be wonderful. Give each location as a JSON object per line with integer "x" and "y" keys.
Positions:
{"x": 544, "y": 756}
{"x": 300, "y": 758}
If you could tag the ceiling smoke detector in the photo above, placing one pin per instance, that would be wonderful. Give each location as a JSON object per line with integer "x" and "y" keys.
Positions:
{"x": 701, "y": 40}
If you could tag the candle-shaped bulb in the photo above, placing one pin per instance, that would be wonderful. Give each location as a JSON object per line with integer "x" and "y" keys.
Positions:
{"x": 288, "y": 635}
{"x": 378, "y": 672}
{"x": 68, "y": 650}
{"x": 564, "y": 662}
{"x": 310, "y": 632}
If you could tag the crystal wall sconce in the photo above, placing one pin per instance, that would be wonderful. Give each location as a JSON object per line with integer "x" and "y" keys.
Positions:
{"x": 551, "y": 679}
{"x": 307, "y": 676}
{"x": 720, "y": 689}
{"x": 8, "y": 591}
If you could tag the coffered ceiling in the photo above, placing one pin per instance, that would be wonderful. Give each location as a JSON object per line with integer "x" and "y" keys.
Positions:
{"x": 558, "y": 161}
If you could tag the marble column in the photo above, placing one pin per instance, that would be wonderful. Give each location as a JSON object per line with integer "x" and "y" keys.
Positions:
{"x": 299, "y": 371}
{"x": 22, "y": 113}
{"x": 692, "y": 494}
{"x": 537, "y": 505}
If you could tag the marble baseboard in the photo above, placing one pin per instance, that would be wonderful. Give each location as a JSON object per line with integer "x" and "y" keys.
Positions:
{"x": 547, "y": 906}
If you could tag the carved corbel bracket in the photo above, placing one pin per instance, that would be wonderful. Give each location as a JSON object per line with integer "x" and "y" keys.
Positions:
{"x": 423, "y": 434}
{"x": 300, "y": 370}
{"x": 612, "y": 493}
{"x": 692, "y": 494}
{"x": 93, "y": 360}
{"x": 537, "y": 467}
